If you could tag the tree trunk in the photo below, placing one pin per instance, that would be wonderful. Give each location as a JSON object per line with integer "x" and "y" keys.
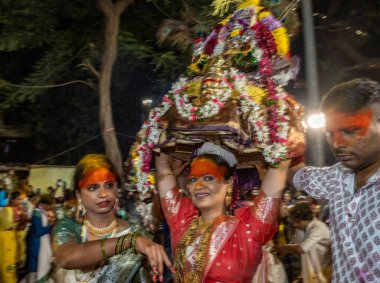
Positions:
{"x": 112, "y": 12}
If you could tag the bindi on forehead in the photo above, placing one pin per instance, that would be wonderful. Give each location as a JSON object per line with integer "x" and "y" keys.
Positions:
{"x": 336, "y": 120}
{"x": 203, "y": 166}
{"x": 96, "y": 176}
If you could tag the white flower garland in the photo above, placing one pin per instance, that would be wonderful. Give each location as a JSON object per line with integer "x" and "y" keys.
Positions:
{"x": 209, "y": 109}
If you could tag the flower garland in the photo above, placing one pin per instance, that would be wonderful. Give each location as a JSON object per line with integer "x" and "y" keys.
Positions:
{"x": 149, "y": 133}
{"x": 210, "y": 108}
{"x": 268, "y": 41}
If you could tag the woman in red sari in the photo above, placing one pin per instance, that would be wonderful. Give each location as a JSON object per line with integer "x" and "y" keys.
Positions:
{"x": 209, "y": 244}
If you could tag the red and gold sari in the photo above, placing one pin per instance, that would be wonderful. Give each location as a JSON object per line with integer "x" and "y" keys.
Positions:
{"x": 234, "y": 250}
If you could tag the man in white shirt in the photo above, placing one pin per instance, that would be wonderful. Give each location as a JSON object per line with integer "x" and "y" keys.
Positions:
{"x": 314, "y": 246}
{"x": 352, "y": 186}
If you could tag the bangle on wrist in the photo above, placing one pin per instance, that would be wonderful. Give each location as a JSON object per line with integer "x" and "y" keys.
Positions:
{"x": 119, "y": 243}
{"x": 133, "y": 241}
{"x": 163, "y": 175}
{"x": 103, "y": 249}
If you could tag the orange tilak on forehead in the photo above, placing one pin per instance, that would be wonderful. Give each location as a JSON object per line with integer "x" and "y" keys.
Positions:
{"x": 97, "y": 175}
{"x": 203, "y": 166}
{"x": 338, "y": 120}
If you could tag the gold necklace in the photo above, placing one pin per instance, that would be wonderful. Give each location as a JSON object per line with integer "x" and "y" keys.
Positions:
{"x": 100, "y": 231}
{"x": 196, "y": 229}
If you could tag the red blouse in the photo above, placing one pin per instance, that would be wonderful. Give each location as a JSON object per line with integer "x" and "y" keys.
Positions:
{"x": 236, "y": 244}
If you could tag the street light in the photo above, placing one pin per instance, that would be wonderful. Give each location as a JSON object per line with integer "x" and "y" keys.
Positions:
{"x": 147, "y": 102}
{"x": 146, "y": 105}
{"x": 316, "y": 121}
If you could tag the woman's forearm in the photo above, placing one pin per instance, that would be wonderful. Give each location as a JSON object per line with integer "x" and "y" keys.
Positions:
{"x": 83, "y": 255}
{"x": 165, "y": 178}
{"x": 275, "y": 180}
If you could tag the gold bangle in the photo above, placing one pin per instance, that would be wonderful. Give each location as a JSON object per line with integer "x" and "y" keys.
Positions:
{"x": 133, "y": 241}
{"x": 126, "y": 237}
{"x": 103, "y": 248}
{"x": 164, "y": 175}
{"x": 118, "y": 244}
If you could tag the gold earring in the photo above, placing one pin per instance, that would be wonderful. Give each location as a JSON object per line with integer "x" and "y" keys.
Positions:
{"x": 228, "y": 197}
{"x": 81, "y": 210}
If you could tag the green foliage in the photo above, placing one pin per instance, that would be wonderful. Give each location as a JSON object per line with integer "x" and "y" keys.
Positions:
{"x": 25, "y": 23}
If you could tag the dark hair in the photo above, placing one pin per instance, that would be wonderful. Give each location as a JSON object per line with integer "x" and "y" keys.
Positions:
{"x": 351, "y": 96}
{"x": 219, "y": 161}
{"x": 91, "y": 162}
{"x": 14, "y": 195}
{"x": 46, "y": 199}
{"x": 301, "y": 211}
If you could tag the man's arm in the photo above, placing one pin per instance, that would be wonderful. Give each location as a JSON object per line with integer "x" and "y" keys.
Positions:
{"x": 293, "y": 170}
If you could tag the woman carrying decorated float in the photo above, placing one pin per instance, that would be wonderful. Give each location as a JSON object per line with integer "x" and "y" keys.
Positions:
{"x": 98, "y": 247}
{"x": 232, "y": 94}
{"x": 210, "y": 243}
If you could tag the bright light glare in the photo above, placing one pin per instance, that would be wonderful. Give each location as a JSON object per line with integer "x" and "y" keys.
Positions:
{"x": 147, "y": 101}
{"x": 316, "y": 121}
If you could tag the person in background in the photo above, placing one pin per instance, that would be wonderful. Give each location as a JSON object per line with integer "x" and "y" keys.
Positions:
{"x": 287, "y": 199}
{"x": 38, "y": 249}
{"x": 3, "y": 194}
{"x": 314, "y": 248}
{"x": 351, "y": 186}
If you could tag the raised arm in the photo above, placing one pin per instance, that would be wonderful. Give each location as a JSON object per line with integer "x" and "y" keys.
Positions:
{"x": 167, "y": 173}
{"x": 275, "y": 180}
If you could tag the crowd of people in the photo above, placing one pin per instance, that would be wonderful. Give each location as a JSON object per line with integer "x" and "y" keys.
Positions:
{"x": 214, "y": 236}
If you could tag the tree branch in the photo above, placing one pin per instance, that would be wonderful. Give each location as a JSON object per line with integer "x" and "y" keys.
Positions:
{"x": 334, "y": 8}
{"x": 87, "y": 64}
{"x": 90, "y": 84}
{"x": 360, "y": 61}
{"x": 121, "y": 5}
{"x": 106, "y": 6}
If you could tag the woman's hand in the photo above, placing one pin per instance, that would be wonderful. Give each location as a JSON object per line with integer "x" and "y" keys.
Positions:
{"x": 157, "y": 257}
{"x": 178, "y": 166}
{"x": 163, "y": 161}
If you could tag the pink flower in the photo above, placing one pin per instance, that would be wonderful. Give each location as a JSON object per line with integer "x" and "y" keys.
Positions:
{"x": 193, "y": 117}
{"x": 193, "y": 109}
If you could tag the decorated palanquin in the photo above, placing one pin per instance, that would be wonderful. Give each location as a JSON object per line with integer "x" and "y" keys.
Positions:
{"x": 232, "y": 94}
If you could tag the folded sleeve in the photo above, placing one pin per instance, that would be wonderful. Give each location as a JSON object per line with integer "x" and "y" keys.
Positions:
{"x": 315, "y": 181}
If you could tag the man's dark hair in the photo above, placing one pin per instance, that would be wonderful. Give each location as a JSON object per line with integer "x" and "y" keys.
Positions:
{"x": 46, "y": 199}
{"x": 351, "y": 96}
{"x": 15, "y": 195}
{"x": 301, "y": 211}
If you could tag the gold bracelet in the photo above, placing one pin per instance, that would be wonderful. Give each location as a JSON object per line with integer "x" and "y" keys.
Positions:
{"x": 133, "y": 242}
{"x": 103, "y": 248}
{"x": 118, "y": 244}
{"x": 126, "y": 237}
{"x": 164, "y": 175}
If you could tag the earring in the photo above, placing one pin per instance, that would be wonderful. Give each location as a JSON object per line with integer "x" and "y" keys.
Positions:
{"x": 228, "y": 197}
{"x": 81, "y": 210}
